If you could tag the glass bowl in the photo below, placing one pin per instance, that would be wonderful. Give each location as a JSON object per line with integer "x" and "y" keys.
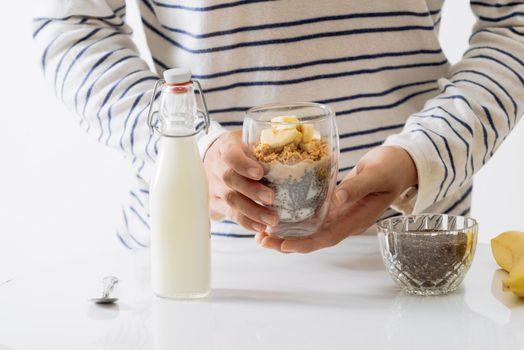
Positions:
{"x": 428, "y": 254}
{"x": 297, "y": 145}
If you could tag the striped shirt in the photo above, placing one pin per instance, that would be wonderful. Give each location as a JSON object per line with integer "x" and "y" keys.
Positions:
{"x": 377, "y": 63}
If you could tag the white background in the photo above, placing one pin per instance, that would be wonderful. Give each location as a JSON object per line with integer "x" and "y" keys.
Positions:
{"x": 60, "y": 191}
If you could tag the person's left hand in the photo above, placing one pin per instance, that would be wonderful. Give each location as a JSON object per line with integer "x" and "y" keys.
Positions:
{"x": 365, "y": 193}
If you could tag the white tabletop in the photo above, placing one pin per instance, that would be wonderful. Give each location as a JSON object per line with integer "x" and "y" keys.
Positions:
{"x": 339, "y": 298}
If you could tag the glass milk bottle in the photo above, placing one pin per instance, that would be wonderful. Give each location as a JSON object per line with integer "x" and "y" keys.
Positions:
{"x": 180, "y": 227}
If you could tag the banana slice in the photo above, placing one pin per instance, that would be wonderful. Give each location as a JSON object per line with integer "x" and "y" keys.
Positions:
{"x": 285, "y": 119}
{"x": 308, "y": 132}
{"x": 298, "y": 138}
{"x": 308, "y": 147}
{"x": 280, "y": 122}
{"x": 279, "y": 138}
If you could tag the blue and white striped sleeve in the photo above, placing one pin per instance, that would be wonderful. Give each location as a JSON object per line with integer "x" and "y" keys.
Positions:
{"x": 479, "y": 103}
{"x": 88, "y": 56}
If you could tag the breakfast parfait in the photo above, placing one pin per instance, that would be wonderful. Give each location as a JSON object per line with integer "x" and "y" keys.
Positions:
{"x": 299, "y": 167}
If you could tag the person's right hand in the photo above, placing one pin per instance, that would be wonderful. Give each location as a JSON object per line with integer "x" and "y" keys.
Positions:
{"x": 234, "y": 187}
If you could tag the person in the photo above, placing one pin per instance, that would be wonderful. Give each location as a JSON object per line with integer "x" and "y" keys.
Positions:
{"x": 414, "y": 129}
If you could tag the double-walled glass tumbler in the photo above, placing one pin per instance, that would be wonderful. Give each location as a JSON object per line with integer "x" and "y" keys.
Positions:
{"x": 297, "y": 145}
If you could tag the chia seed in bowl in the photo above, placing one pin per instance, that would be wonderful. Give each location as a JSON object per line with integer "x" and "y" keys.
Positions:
{"x": 428, "y": 254}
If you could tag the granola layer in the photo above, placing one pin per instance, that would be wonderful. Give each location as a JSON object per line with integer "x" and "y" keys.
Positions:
{"x": 291, "y": 153}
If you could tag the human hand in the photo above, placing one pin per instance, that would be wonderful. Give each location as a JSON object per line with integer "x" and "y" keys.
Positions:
{"x": 234, "y": 187}
{"x": 365, "y": 193}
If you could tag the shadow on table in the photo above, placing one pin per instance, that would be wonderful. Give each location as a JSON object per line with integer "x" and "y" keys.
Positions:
{"x": 103, "y": 311}
{"x": 379, "y": 299}
{"x": 443, "y": 322}
{"x": 362, "y": 262}
{"x": 3, "y": 347}
{"x": 507, "y": 298}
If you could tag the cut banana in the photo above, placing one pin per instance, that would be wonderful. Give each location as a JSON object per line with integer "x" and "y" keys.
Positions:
{"x": 515, "y": 281}
{"x": 285, "y": 130}
{"x": 298, "y": 138}
{"x": 308, "y": 132}
{"x": 308, "y": 147}
{"x": 285, "y": 119}
{"x": 279, "y": 138}
{"x": 284, "y": 122}
{"x": 508, "y": 250}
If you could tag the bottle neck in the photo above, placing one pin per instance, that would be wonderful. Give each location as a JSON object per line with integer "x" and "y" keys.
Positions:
{"x": 178, "y": 115}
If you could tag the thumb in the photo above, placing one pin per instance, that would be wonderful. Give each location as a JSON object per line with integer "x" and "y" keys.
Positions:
{"x": 355, "y": 186}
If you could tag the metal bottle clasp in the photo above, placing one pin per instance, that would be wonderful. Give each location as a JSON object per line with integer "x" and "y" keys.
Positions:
{"x": 152, "y": 119}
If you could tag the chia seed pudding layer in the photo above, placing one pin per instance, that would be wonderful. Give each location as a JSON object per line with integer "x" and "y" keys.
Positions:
{"x": 300, "y": 189}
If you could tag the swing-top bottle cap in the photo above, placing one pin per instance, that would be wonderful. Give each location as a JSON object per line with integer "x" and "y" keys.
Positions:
{"x": 177, "y": 75}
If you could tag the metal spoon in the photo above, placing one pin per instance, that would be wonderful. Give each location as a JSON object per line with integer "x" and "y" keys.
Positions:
{"x": 108, "y": 284}
{"x": 5, "y": 282}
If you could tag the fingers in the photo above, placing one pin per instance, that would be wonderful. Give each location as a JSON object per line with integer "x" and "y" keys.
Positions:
{"x": 304, "y": 245}
{"x": 292, "y": 245}
{"x": 355, "y": 187}
{"x": 233, "y": 155}
{"x": 268, "y": 241}
{"x": 232, "y": 201}
{"x": 218, "y": 205}
{"x": 218, "y": 209}
{"x": 247, "y": 187}
{"x": 328, "y": 236}
{"x": 245, "y": 206}
{"x": 234, "y": 186}
{"x": 309, "y": 244}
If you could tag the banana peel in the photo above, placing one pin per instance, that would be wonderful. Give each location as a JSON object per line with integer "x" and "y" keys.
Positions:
{"x": 508, "y": 251}
{"x": 515, "y": 281}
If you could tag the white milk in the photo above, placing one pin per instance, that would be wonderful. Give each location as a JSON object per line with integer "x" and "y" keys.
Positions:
{"x": 180, "y": 227}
